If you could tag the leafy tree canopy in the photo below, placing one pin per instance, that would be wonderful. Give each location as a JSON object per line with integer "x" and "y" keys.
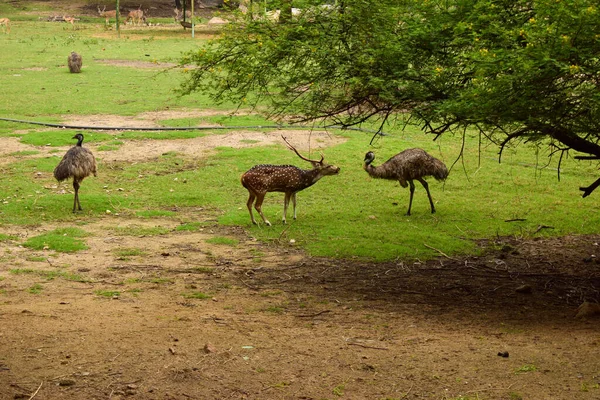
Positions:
{"x": 515, "y": 70}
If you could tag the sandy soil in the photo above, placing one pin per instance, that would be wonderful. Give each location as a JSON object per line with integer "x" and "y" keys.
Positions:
{"x": 278, "y": 324}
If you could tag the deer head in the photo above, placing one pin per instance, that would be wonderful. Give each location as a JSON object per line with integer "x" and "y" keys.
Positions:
{"x": 264, "y": 178}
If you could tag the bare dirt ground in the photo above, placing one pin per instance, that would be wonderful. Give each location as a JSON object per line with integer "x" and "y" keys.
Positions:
{"x": 278, "y": 324}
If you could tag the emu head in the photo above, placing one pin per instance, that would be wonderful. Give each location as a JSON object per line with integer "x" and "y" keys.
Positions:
{"x": 79, "y": 138}
{"x": 369, "y": 157}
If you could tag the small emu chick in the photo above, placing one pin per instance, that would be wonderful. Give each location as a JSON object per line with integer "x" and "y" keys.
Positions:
{"x": 75, "y": 62}
{"x": 77, "y": 163}
{"x": 409, "y": 165}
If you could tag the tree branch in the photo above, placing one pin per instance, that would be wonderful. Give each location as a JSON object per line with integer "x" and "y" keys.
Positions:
{"x": 588, "y": 190}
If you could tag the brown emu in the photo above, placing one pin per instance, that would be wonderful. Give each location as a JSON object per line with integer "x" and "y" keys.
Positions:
{"x": 409, "y": 165}
{"x": 264, "y": 178}
{"x": 75, "y": 62}
{"x": 77, "y": 163}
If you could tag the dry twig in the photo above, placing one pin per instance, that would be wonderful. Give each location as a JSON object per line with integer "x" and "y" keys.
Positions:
{"x": 36, "y": 392}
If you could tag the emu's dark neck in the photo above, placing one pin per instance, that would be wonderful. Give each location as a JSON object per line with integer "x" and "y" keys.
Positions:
{"x": 79, "y": 142}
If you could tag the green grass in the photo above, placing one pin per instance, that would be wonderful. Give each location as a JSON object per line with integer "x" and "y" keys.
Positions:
{"x": 196, "y": 295}
{"x": 35, "y": 289}
{"x": 107, "y": 293}
{"x": 64, "y": 240}
{"x": 49, "y": 275}
{"x": 526, "y": 368}
{"x": 155, "y": 213}
{"x": 345, "y": 216}
{"x": 223, "y": 240}
{"x": 6, "y": 238}
{"x": 190, "y": 226}
{"x": 140, "y": 231}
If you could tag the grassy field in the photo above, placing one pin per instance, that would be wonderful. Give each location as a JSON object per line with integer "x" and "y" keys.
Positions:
{"x": 349, "y": 215}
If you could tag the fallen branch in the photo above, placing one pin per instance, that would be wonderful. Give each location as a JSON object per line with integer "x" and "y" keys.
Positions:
{"x": 439, "y": 251}
{"x": 543, "y": 227}
{"x": 367, "y": 347}
{"x": 36, "y": 392}
{"x": 313, "y": 315}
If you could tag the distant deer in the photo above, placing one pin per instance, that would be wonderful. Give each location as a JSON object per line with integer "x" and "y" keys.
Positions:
{"x": 179, "y": 15}
{"x": 136, "y": 16}
{"x": 6, "y": 23}
{"x": 70, "y": 20}
{"x": 264, "y": 178}
{"x": 107, "y": 14}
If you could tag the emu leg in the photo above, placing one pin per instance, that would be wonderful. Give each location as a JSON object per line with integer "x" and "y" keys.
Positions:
{"x": 426, "y": 186}
{"x": 259, "y": 200}
{"x": 412, "y": 192}
{"x": 76, "y": 203}
{"x": 249, "y": 205}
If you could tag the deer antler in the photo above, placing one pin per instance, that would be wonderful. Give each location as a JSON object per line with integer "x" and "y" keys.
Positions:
{"x": 300, "y": 155}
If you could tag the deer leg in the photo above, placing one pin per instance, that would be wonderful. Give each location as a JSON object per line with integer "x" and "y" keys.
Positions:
{"x": 76, "y": 198}
{"x": 259, "y": 200}
{"x": 286, "y": 202}
{"x": 249, "y": 204}
{"x": 412, "y": 192}
{"x": 294, "y": 203}
{"x": 426, "y": 186}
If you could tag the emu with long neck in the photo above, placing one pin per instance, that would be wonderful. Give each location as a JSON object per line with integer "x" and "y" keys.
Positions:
{"x": 409, "y": 165}
{"x": 78, "y": 163}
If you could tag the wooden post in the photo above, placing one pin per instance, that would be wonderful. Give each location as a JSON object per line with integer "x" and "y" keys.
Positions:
{"x": 117, "y": 14}
{"x": 192, "y": 19}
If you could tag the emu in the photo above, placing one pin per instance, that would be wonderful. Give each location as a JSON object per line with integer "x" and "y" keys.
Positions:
{"x": 409, "y": 165}
{"x": 264, "y": 178}
{"x": 77, "y": 163}
{"x": 75, "y": 62}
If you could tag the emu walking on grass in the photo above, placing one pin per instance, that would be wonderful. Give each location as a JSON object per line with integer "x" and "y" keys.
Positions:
{"x": 77, "y": 163}
{"x": 409, "y": 165}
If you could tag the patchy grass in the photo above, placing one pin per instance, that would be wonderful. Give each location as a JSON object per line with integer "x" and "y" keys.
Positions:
{"x": 49, "y": 275}
{"x": 107, "y": 293}
{"x": 196, "y": 295}
{"x": 155, "y": 213}
{"x": 140, "y": 231}
{"x": 64, "y": 240}
{"x": 125, "y": 253}
{"x": 223, "y": 241}
{"x": 350, "y": 215}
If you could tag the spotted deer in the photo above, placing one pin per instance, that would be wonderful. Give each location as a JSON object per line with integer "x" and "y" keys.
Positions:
{"x": 70, "y": 20}
{"x": 107, "y": 14}
{"x": 136, "y": 17}
{"x": 264, "y": 178}
{"x": 6, "y": 23}
{"x": 179, "y": 15}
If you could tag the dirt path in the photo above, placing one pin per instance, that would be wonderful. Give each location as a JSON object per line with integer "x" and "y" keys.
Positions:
{"x": 276, "y": 324}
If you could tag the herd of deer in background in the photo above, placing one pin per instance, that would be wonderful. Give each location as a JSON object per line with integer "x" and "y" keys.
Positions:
{"x": 405, "y": 167}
